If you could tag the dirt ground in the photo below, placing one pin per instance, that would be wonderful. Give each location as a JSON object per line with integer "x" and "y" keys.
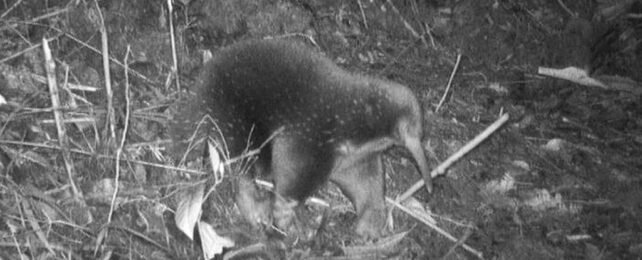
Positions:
{"x": 562, "y": 179}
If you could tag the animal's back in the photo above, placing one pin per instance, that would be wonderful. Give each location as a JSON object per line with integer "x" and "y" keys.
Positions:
{"x": 257, "y": 87}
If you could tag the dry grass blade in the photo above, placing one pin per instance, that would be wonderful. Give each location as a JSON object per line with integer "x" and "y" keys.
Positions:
{"x": 35, "y": 19}
{"x": 103, "y": 156}
{"x": 35, "y": 226}
{"x": 111, "y": 118}
{"x": 450, "y": 81}
{"x": 173, "y": 43}
{"x": 119, "y": 150}
{"x": 460, "y": 242}
{"x": 18, "y": 54}
{"x": 50, "y": 67}
{"x": 407, "y": 24}
{"x": 473, "y": 251}
{"x": 73, "y": 86}
{"x": 139, "y": 235}
{"x": 71, "y": 120}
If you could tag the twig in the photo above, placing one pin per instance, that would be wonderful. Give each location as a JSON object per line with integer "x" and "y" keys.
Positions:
{"x": 541, "y": 25}
{"x": 407, "y": 24}
{"x": 157, "y": 165}
{"x": 111, "y": 118}
{"x": 139, "y": 235}
{"x": 441, "y": 169}
{"x": 17, "y": 54}
{"x": 31, "y": 219}
{"x": 395, "y": 60}
{"x": 302, "y": 35}
{"x": 363, "y": 14}
{"x": 104, "y": 156}
{"x": 70, "y": 86}
{"x": 50, "y": 68}
{"x": 71, "y": 120}
{"x": 573, "y": 14}
{"x": 173, "y": 43}
{"x": 434, "y": 227}
{"x": 35, "y": 19}
{"x": 450, "y": 81}
{"x": 92, "y": 48}
{"x": 115, "y": 61}
{"x": 257, "y": 150}
{"x": 10, "y": 9}
{"x": 192, "y": 139}
{"x": 31, "y": 246}
{"x": 119, "y": 150}
{"x": 429, "y": 32}
{"x": 460, "y": 242}
{"x": 8, "y": 120}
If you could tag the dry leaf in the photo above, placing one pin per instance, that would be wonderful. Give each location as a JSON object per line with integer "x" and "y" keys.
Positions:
{"x": 211, "y": 243}
{"x": 188, "y": 212}
{"x": 502, "y": 186}
{"x": 218, "y": 168}
{"x": 554, "y": 145}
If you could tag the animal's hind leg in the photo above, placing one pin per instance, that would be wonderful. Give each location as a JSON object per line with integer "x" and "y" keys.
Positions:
{"x": 363, "y": 183}
{"x": 254, "y": 204}
{"x": 299, "y": 167}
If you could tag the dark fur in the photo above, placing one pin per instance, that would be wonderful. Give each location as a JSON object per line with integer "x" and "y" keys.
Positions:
{"x": 334, "y": 124}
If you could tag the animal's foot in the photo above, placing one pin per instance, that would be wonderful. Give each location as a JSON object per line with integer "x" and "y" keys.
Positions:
{"x": 372, "y": 223}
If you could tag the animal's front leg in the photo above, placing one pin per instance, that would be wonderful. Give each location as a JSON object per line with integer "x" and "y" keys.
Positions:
{"x": 359, "y": 175}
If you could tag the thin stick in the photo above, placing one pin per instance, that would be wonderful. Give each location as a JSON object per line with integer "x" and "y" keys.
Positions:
{"x": 50, "y": 67}
{"x": 434, "y": 227}
{"x": 441, "y": 169}
{"x": 119, "y": 150}
{"x": 173, "y": 43}
{"x": 450, "y": 81}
